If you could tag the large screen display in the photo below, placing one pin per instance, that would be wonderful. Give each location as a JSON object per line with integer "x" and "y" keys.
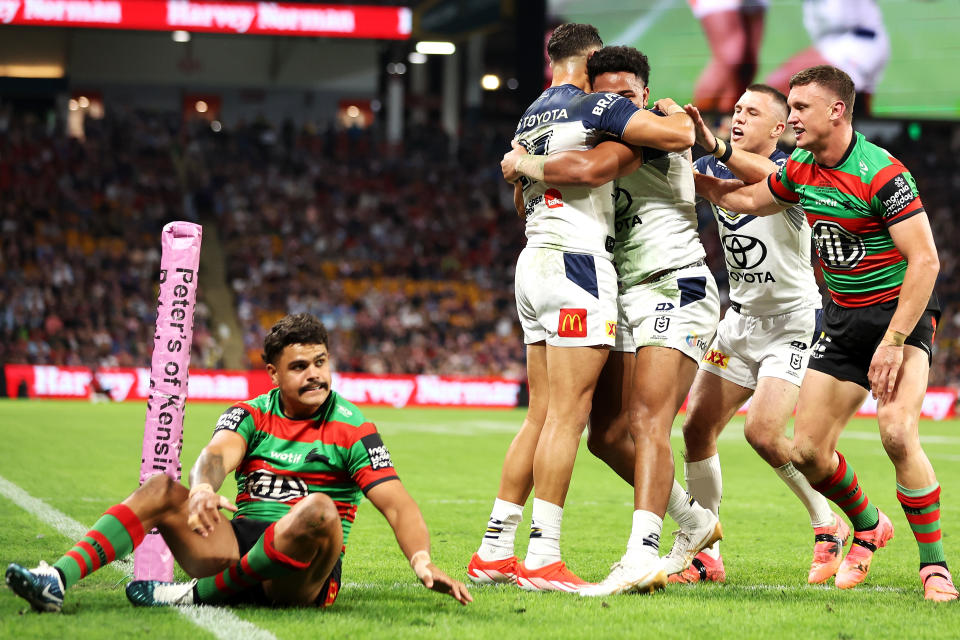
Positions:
{"x": 903, "y": 53}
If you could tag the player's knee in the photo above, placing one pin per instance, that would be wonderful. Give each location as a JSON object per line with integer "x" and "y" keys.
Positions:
{"x": 161, "y": 490}
{"x": 763, "y": 440}
{"x": 315, "y": 517}
{"x": 600, "y": 442}
{"x": 897, "y": 442}
{"x": 808, "y": 459}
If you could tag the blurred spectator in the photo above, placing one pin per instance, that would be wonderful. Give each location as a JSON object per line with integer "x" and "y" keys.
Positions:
{"x": 406, "y": 254}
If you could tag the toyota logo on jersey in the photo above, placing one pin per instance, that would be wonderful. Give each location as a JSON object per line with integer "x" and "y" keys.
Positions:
{"x": 744, "y": 252}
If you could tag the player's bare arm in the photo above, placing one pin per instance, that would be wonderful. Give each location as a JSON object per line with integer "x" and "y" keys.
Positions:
{"x": 734, "y": 195}
{"x": 518, "y": 199}
{"x": 221, "y": 455}
{"x": 591, "y": 168}
{"x": 746, "y": 165}
{"x": 914, "y": 239}
{"x": 404, "y": 517}
{"x": 673, "y": 132}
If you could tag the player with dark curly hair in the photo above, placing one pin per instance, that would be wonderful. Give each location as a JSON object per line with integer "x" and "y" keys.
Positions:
{"x": 303, "y": 457}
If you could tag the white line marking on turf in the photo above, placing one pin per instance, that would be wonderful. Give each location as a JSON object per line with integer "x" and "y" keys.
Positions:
{"x": 221, "y": 623}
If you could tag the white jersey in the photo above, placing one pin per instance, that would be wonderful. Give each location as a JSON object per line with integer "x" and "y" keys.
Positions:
{"x": 832, "y": 17}
{"x": 571, "y": 219}
{"x": 656, "y": 218}
{"x": 768, "y": 257}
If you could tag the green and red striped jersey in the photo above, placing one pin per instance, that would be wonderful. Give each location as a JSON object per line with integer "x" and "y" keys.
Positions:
{"x": 850, "y": 207}
{"x": 336, "y": 452}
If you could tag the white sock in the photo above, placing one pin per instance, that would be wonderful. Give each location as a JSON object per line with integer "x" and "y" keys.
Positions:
{"x": 645, "y": 534}
{"x": 497, "y": 542}
{"x": 705, "y": 484}
{"x": 817, "y": 506}
{"x": 684, "y": 508}
{"x": 545, "y": 525}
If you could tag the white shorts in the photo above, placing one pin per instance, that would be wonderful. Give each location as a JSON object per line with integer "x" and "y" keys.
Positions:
{"x": 748, "y": 348}
{"x": 703, "y": 8}
{"x": 567, "y": 299}
{"x": 679, "y": 311}
{"x": 862, "y": 58}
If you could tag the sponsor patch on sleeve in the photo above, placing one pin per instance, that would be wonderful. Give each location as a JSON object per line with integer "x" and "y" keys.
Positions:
{"x": 379, "y": 456}
{"x": 230, "y": 419}
{"x": 895, "y": 196}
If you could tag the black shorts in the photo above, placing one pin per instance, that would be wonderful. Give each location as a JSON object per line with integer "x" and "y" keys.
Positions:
{"x": 851, "y": 335}
{"x": 248, "y": 531}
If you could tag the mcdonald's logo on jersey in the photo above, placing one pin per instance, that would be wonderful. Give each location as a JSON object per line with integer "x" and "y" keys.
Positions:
{"x": 573, "y": 323}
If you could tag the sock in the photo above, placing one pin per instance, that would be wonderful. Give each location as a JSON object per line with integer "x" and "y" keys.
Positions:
{"x": 705, "y": 484}
{"x": 817, "y": 506}
{"x": 497, "y": 542}
{"x": 922, "y": 508}
{"x": 113, "y": 536}
{"x": 545, "y": 524}
{"x": 263, "y": 562}
{"x": 683, "y": 508}
{"x": 843, "y": 488}
{"x": 645, "y": 534}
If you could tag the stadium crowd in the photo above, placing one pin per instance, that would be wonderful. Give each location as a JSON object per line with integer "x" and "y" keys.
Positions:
{"x": 407, "y": 254}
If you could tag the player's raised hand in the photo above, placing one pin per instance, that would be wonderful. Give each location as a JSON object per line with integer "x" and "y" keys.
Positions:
{"x": 509, "y": 163}
{"x": 667, "y": 106}
{"x": 705, "y": 137}
{"x": 434, "y": 578}
{"x": 884, "y": 368}
{"x": 203, "y": 509}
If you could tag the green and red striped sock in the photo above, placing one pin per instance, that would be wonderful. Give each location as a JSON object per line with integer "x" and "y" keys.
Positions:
{"x": 115, "y": 534}
{"x": 263, "y": 562}
{"x": 843, "y": 488}
{"x": 922, "y": 508}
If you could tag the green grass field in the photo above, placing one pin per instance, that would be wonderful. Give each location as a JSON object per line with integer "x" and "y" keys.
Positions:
{"x": 81, "y": 458}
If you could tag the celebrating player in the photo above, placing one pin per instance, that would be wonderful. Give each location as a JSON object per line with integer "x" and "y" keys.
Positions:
{"x": 762, "y": 344}
{"x": 566, "y": 299}
{"x": 669, "y": 309}
{"x": 302, "y": 455}
{"x": 880, "y": 264}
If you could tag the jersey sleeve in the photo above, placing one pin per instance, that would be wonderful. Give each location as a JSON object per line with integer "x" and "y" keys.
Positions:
{"x": 369, "y": 462}
{"x": 781, "y": 186}
{"x": 608, "y": 112}
{"x": 702, "y": 165}
{"x": 238, "y": 419}
{"x": 894, "y": 194}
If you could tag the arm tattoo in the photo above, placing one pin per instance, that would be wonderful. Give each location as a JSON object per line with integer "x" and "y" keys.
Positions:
{"x": 209, "y": 469}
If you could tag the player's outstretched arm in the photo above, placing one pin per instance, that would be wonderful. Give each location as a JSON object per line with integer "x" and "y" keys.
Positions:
{"x": 734, "y": 195}
{"x": 746, "y": 165}
{"x": 914, "y": 239}
{"x": 673, "y": 132}
{"x": 404, "y": 517}
{"x": 221, "y": 455}
{"x": 590, "y": 168}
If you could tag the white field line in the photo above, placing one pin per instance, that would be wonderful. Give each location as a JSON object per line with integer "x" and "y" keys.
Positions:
{"x": 219, "y": 622}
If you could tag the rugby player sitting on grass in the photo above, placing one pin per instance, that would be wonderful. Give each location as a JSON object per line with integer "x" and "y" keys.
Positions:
{"x": 302, "y": 456}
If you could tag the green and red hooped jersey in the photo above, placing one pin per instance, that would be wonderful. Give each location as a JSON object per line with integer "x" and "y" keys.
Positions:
{"x": 850, "y": 207}
{"x": 336, "y": 452}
